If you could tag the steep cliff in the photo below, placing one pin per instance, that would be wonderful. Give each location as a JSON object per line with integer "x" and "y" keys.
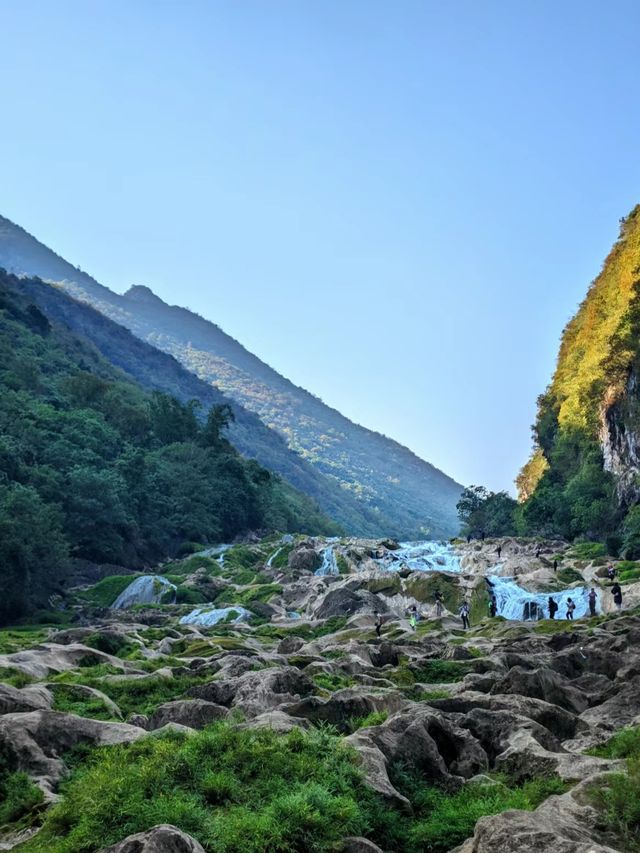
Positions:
{"x": 583, "y": 474}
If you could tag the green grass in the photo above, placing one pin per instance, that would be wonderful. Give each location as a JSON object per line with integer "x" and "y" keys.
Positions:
{"x": 567, "y": 576}
{"x": 235, "y": 791}
{"x": 588, "y": 550}
{"x": 306, "y": 632}
{"x": 18, "y": 797}
{"x": 442, "y": 821}
{"x": 111, "y": 644}
{"x": 257, "y": 592}
{"x": 432, "y": 695}
{"x": 68, "y": 699}
{"x": 623, "y": 744}
{"x": 332, "y": 682}
{"x": 105, "y": 592}
{"x": 14, "y": 677}
{"x": 618, "y": 800}
{"x": 430, "y": 672}
{"x": 375, "y": 718}
{"x": 16, "y": 639}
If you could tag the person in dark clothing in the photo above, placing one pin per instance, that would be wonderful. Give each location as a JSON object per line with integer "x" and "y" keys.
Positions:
{"x": 438, "y": 597}
{"x": 616, "y": 591}
{"x": 593, "y": 600}
{"x": 571, "y": 606}
{"x": 499, "y": 551}
{"x": 468, "y": 538}
{"x": 483, "y": 535}
{"x": 493, "y": 606}
{"x": 464, "y": 613}
{"x": 555, "y": 565}
{"x": 538, "y": 552}
{"x": 553, "y": 607}
{"x": 611, "y": 572}
{"x": 378, "y": 622}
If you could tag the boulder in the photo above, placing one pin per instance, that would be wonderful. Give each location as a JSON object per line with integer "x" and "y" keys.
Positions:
{"x": 304, "y": 558}
{"x": 257, "y": 692}
{"x": 543, "y": 684}
{"x": 51, "y": 658}
{"x": 14, "y": 700}
{"x": 346, "y": 705}
{"x": 289, "y": 645}
{"x": 359, "y": 845}
{"x": 161, "y": 839}
{"x": 33, "y": 742}
{"x": 194, "y": 713}
{"x": 562, "y": 824}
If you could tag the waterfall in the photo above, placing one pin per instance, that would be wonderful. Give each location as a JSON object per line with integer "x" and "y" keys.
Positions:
{"x": 422, "y": 557}
{"x": 329, "y": 564}
{"x": 515, "y": 603}
{"x": 148, "y": 589}
{"x": 273, "y": 556}
{"x": 208, "y": 618}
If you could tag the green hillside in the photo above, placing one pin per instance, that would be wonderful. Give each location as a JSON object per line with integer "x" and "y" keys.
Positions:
{"x": 386, "y": 489}
{"x": 96, "y": 468}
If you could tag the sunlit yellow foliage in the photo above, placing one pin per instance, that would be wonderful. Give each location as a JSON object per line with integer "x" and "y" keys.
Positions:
{"x": 531, "y": 474}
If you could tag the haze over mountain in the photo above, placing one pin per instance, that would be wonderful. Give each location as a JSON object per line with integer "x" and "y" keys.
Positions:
{"x": 388, "y": 489}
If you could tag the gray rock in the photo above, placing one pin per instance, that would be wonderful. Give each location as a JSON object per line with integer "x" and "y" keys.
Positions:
{"x": 32, "y": 742}
{"x": 359, "y": 845}
{"x": 289, "y": 645}
{"x": 14, "y": 700}
{"x": 194, "y": 713}
{"x": 163, "y": 838}
{"x": 304, "y": 558}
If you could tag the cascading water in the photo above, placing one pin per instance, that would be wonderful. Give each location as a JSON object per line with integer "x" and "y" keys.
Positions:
{"x": 208, "y": 618}
{"x": 148, "y": 589}
{"x": 515, "y": 603}
{"x": 329, "y": 563}
{"x": 422, "y": 557}
{"x": 273, "y": 556}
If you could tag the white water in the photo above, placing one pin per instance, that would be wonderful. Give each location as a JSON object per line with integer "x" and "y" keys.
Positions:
{"x": 329, "y": 564}
{"x": 273, "y": 556}
{"x": 148, "y": 589}
{"x": 422, "y": 557}
{"x": 208, "y": 618}
{"x": 511, "y": 600}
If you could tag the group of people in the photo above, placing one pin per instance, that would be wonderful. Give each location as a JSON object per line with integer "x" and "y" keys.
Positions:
{"x": 464, "y": 611}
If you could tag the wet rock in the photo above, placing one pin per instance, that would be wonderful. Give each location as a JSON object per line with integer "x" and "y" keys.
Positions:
{"x": 304, "y": 558}
{"x": 163, "y": 838}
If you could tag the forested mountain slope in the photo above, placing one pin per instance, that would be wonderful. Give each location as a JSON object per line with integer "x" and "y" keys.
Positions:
{"x": 583, "y": 477}
{"x": 398, "y": 493}
{"x": 94, "y": 467}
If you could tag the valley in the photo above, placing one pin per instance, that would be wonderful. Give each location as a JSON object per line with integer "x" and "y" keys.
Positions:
{"x": 245, "y": 690}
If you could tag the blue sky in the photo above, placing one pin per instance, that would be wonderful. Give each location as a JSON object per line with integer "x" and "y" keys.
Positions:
{"x": 398, "y": 205}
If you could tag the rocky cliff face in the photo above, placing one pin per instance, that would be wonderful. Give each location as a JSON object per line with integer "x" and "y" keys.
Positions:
{"x": 619, "y": 437}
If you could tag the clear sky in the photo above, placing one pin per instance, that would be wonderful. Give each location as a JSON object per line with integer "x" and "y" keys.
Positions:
{"x": 398, "y": 205}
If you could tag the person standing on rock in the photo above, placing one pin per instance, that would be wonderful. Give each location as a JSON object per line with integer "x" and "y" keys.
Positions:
{"x": 616, "y": 591}
{"x": 438, "y": 597}
{"x": 611, "y": 572}
{"x": 555, "y": 565}
{"x": 553, "y": 607}
{"x": 571, "y": 606}
{"x": 593, "y": 600}
{"x": 493, "y": 606}
{"x": 464, "y": 613}
{"x": 413, "y": 617}
{"x": 378, "y": 622}
{"x": 499, "y": 551}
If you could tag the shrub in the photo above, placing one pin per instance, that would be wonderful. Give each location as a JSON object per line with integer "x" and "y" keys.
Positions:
{"x": 18, "y": 796}
{"x": 588, "y": 550}
{"x": 623, "y": 744}
{"x": 619, "y": 801}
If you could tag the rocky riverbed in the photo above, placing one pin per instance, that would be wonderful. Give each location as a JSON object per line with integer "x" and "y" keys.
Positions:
{"x": 276, "y": 640}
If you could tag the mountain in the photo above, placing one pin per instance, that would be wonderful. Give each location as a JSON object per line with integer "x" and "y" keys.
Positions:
{"x": 584, "y": 474}
{"x": 94, "y": 467}
{"x": 388, "y": 489}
